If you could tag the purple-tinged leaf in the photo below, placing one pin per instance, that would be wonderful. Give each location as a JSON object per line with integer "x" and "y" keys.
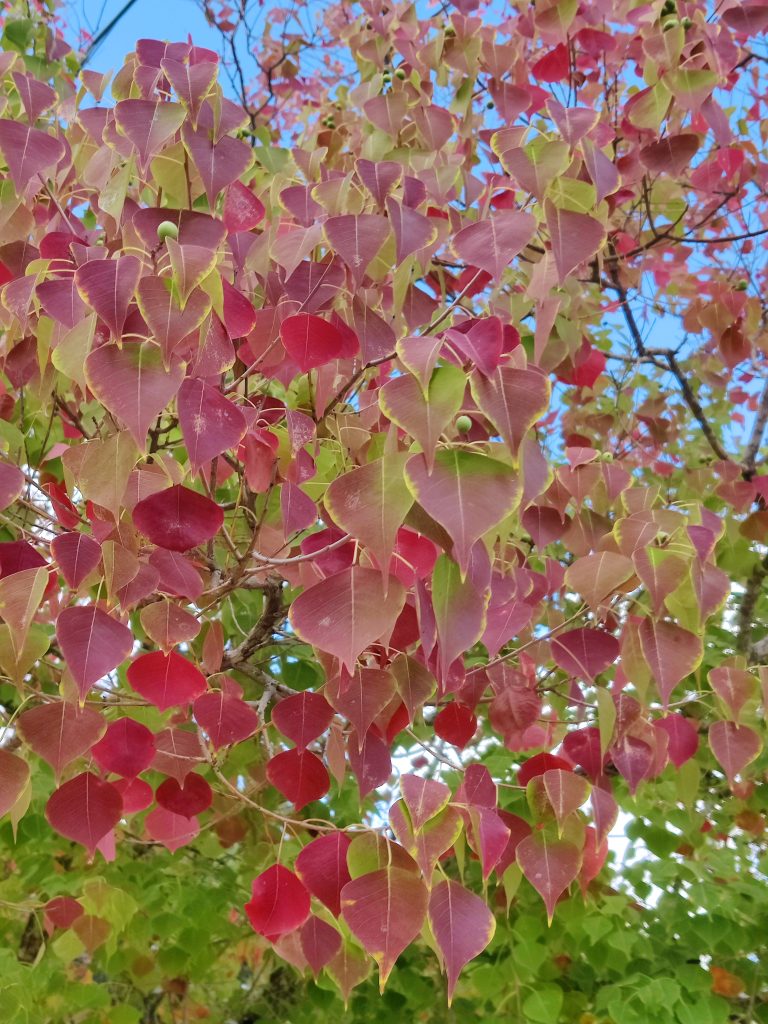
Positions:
{"x": 178, "y": 518}
{"x": 107, "y": 286}
{"x": 85, "y": 809}
{"x": 492, "y": 244}
{"x": 302, "y": 717}
{"x": 93, "y": 644}
{"x": 550, "y": 865}
{"x": 210, "y": 423}
{"x": 462, "y": 926}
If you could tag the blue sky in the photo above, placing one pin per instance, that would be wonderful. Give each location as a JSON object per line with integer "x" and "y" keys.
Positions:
{"x": 147, "y": 19}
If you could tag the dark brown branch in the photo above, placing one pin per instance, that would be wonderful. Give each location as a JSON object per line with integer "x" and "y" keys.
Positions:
{"x": 756, "y": 437}
{"x": 263, "y": 630}
{"x": 695, "y": 406}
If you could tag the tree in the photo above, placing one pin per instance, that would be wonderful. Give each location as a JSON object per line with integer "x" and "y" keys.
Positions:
{"x": 384, "y": 521}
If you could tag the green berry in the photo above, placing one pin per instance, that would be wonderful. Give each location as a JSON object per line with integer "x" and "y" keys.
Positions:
{"x": 450, "y": 31}
{"x": 669, "y": 24}
{"x": 400, "y": 73}
{"x": 167, "y": 229}
{"x": 741, "y": 286}
{"x": 463, "y": 424}
{"x": 490, "y": 105}
{"x": 686, "y": 23}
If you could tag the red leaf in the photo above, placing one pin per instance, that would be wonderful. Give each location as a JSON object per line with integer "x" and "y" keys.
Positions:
{"x": 553, "y": 66}
{"x": 93, "y": 644}
{"x": 218, "y": 163}
{"x": 12, "y": 483}
{"x": 242, "y": 209}
{"x": 127, "y": 748}
{"x": 226, "y": 719}
{"x": 513, "y": 400}
{"x": 62, "y": 911}
{"x": 136, "y": 793}
{"x": 385, "y": 911}
{"x": 168, "y": 624}
{"x": 311, "y": 341}
{"x": 456, "y": 724}
{"x": 186, "y": 799}
{"x": 132, "y": 383}
{"x": 538, "y": 764}
{"x": 583, "y": 748}
{"x": 575, "y": 238}
{"x": 299, "y": 775}
{"x": 178, "y": 518}
{"x": 77, "y": 555}
{"x": 166, "y": 680}
{"x": 279, "y": 902}
{"x": 85, "y": 809}
{"x": 462, "y": 926}
{"x": 60, "y": 732}
{"x": 148, "y": 124}
{"x": 362, "y": 696}
{"x": 370, "y": 761}
{"x": 357, "y": 238}
{"x": 671, "y": 652}
{"x": 302, "y": 717}
{"x": 322, "y": 867}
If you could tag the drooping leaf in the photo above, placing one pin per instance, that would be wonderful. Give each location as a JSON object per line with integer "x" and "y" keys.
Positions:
{"x": 320, "y": 942}
{"x": 734, "y": 746}
{"x": 299, "y": 775}
{"x": 77, "y": 555}
{"x": 279, "y": 902}
{"x": 60, "y": 732}
{"x": 226, "y": 718}
{"x": 322, "y": 867}
{"x": 370, "y": 502}
{"x": 513, "y": 400}
{"x": 108, "y": 286}
{"x": 133, "y": 384}
{"x": 127, "y": 748}
{"x": 85, "y": 809}
{"x": 672, "y": 653}
{"x": 188, "y": 798}
{"x": 424, "y": 415}
{"x": 424, "y": 798}
{"x": 550, "y": 865}
{"x": 302, "y": 717}
{"x": 93, "y": 644}
{"x": 210, "y": 423}
{"x": 14, "y": 776}
{"x": 31, "y": 154}
{"x": 347, "y": 612}
{"x": 465, "y": 492}
{"x": 385, "y": 911}
{"x": 492, "y": 244}
{"x": 462, "y": 926}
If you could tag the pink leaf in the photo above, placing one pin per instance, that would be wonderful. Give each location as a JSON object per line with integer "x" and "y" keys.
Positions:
{"x": 584, "y": 652}
{"x": 456, "y": 724}
{"x": 279, "y": 902}
{"x": 166, "y": 680}
{"x": 357, "y": 238}
{"x": 683, "y": 737}
{"x": 242, "y": 210}
{"x": 77, "y": 555}
{"x": 462, "y": 926}
{"x": 299, "y": 775}
{"x": 225, "y": 718}
{"x": 108, "y": 286}
{"x": 322, "y": 867}
{"x": 424, "y": 798}
{"x": 12, "y": 483}
{"x": 148, "y": 124}
{"x": 127, "y": 748}
{"x": 492, "y": 244}
{"x": 210, "y": 423}
{"x": 575, "y": 237}
{"x": 31, "y": 155}
{"x": 550, "y": 865}
{"x": 320, "y": 942}
{"x": 170, "y": 830}
{"x": 385, "y": 911}
{"x": 60, "y": 732}
{"x": 132, "y": 383}
{"x": 347, "y": 612}
{"x": 734, "y": 746}
{"x": 85, "y": 809}
{"x": 302, "y": 717}
{"x": 218, "y": 163}
{"x": 93, "y": 644}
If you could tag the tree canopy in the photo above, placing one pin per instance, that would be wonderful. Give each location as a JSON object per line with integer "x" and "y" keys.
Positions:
{"x": 383, "y": 527}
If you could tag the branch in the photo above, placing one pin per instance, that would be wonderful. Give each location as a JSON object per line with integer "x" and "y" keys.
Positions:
{"x": 261, "y": 633}
{"x": 746, "y": 610}
{"x": 99, "y": 38}
{"x": 695, "y": 406}
{"x": 756, "y": 437}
